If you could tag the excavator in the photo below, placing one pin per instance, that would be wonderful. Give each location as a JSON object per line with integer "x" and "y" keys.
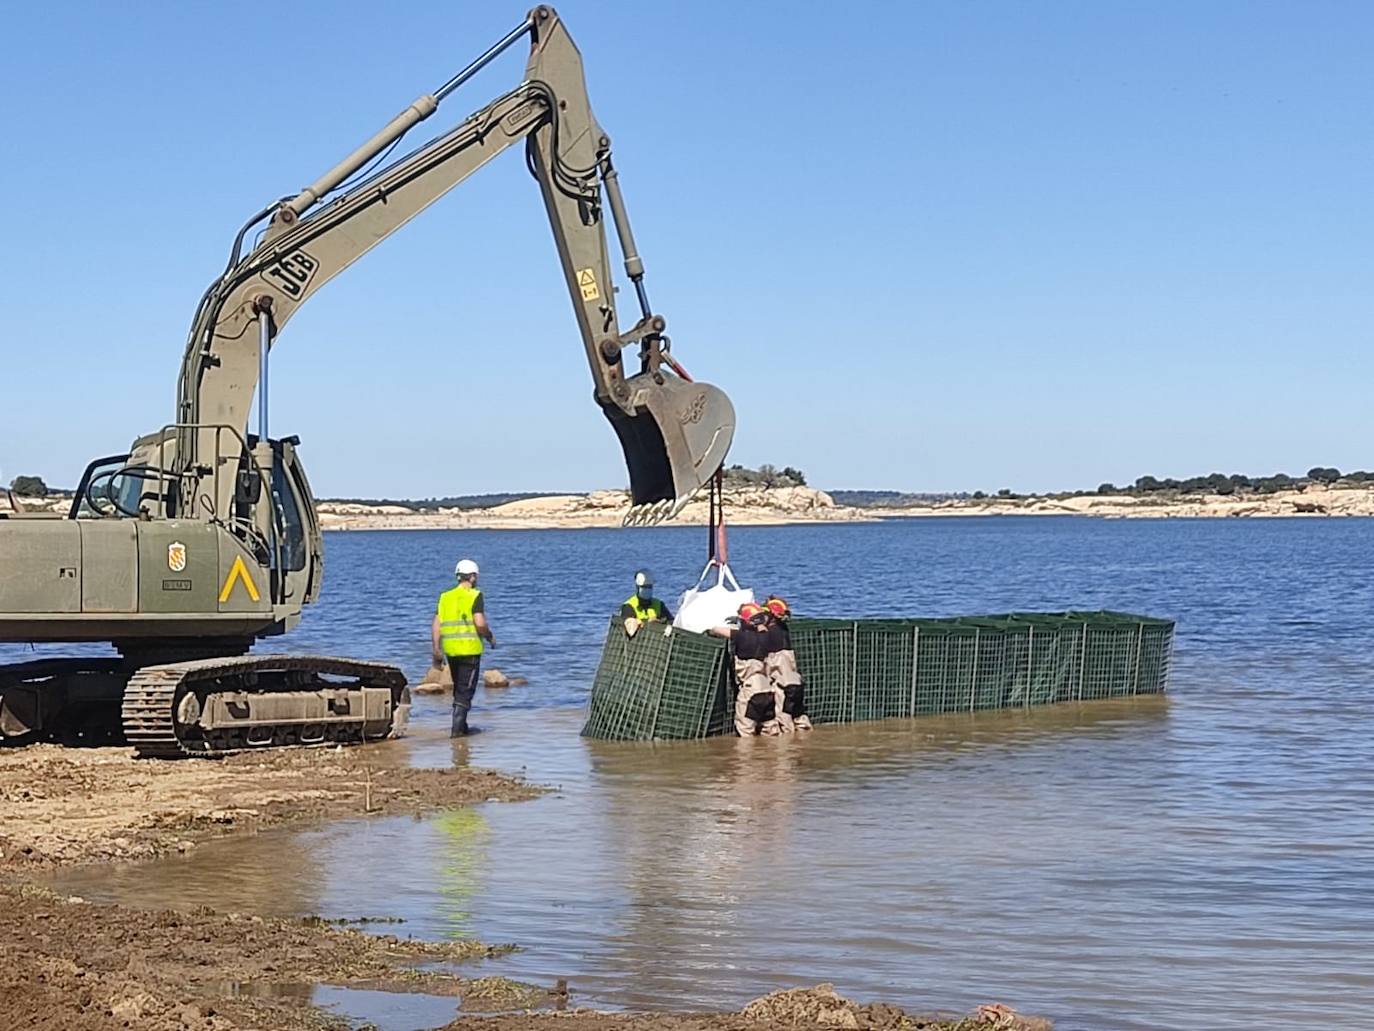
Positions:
{"x": 203, "y": 538}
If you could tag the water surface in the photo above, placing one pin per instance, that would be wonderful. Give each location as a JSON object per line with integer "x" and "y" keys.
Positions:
{"x": 1205, "y": 860}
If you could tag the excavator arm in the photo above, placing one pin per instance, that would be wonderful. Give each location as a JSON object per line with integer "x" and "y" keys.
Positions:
{"x": 675, "y": 433}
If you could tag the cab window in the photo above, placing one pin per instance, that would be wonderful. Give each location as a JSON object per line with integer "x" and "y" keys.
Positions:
{"x": 293, "y": 544}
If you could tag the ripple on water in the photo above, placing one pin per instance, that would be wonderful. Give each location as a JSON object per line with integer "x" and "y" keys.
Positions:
{"x": 1197, "y": 861}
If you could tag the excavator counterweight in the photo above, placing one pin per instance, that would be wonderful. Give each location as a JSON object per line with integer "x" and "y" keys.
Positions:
{"x": 203, "y": 538}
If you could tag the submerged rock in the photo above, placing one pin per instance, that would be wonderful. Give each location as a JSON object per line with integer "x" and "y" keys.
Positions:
{"x": 437, "y": 680}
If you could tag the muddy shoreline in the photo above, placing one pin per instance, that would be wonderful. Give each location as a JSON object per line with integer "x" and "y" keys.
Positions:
{"x": 80, "y": 805}
{"x": 69, "y": 963}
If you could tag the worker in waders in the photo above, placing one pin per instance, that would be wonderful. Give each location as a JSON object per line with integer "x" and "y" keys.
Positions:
{"x": 781, "y": 663}
{"x": 642, "y": 607}
{"x": 460, "y": 625}
{"x": 758, "y": 705}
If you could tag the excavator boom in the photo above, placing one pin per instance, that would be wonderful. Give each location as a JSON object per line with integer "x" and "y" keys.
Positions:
{"x": 204, "y": 538}
{"x": 675, "y": 433}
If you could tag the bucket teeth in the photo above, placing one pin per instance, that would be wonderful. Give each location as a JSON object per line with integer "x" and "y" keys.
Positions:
{"x": 644, "y": 515}
{"x": 655, "y": 512}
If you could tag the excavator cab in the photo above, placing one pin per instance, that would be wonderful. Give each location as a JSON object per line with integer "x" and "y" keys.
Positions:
{"x": 119, "y": 487}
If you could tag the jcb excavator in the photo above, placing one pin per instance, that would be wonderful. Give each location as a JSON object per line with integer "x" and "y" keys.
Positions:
{"x": 204, "y": 537}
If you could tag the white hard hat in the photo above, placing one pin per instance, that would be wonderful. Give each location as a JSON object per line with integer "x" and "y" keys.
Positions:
{"x": 465, "y": 567}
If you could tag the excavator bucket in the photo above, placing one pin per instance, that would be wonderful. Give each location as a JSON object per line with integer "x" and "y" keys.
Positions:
{"x": 674, "y": 442}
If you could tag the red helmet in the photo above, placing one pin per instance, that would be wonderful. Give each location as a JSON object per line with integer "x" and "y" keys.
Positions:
{"x": 778, "y": 607}
{"x": 750, "y": 613}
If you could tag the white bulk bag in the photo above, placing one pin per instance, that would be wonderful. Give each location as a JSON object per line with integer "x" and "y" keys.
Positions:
{"x": 706, "y": 606}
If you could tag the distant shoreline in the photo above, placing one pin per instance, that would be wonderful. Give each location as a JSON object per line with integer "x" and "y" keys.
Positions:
{"x": 745, "y": 506}
{"x": 758, "y": 506}
{"x": 786, "y": 506}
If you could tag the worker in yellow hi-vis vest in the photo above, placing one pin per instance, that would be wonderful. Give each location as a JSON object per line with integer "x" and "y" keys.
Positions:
{"x": 642, "y": 607}
{"x": 459, "y": 628}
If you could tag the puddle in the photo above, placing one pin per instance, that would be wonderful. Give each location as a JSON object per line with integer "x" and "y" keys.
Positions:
{"x": 387, "y": 1011}
{"x": 263, "y": 990}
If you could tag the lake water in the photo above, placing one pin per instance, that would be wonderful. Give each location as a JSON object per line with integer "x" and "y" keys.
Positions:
{"x": 1200, "y": 860}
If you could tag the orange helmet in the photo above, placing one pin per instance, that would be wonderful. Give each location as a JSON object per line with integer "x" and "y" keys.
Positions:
{"x": 778, "y": 607}
{"x": 750, "y": 613}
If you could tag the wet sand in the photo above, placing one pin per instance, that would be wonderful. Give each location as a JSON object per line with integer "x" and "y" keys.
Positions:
{"x": 80, "y": 805}
{"x": 68, "y": 963}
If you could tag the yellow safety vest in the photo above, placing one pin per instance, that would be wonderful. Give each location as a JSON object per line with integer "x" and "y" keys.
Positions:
{"x": 457, "y": 629}
{"x": 645, "y": 612}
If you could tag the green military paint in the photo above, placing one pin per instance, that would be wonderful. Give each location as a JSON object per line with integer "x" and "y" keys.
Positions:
{"x": 679, "y": 685}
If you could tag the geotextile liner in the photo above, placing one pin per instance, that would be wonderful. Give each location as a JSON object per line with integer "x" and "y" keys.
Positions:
{"x": 666, "y": 683}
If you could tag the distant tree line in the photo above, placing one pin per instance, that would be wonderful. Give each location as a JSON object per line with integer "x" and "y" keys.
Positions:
{"x": 462, "y": 501}
{"x": 1235, "y": 483}
{"x": 764, "y": 476}
{"x": 1213, "y": 483}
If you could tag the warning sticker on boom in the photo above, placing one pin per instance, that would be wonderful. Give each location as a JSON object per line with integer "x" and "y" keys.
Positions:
{"x": 586, "y": 282}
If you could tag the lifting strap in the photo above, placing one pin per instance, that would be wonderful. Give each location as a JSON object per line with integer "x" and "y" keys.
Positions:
{"x": 717, "y": 553}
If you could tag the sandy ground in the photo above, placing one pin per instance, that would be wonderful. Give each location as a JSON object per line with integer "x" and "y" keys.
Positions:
{"x": 68, "y": 963}
{"x": 76, "y": 805}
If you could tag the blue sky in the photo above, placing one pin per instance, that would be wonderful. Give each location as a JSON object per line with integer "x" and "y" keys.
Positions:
{"x": 923, "y": 246}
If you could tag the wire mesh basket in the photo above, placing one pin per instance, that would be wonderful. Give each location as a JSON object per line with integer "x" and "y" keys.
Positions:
{"x": 667, "y": 683}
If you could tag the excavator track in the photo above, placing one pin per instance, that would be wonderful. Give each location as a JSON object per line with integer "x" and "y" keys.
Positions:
{"x": 209, "y": 707}
{"x": 73, "y": 700}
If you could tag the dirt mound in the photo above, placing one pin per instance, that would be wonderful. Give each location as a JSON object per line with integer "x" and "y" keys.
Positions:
{"x": 810, "y": 1008}
{"x": 822, "y": 1006}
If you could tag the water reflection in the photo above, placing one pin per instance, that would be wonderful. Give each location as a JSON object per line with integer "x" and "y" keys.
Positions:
{"x": 1067, "y": 860}
{"x": 755, "y": 864}
{"x": 463, "y": 843}
{"x": 386, "y": 1011}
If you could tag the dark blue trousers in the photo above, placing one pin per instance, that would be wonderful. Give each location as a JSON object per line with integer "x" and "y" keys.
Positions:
{"x": 464, "y": 669}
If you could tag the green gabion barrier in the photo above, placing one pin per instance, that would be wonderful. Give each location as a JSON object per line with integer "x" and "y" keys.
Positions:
{"x": 676, "y": 684}
{"x": 659, "y": 684}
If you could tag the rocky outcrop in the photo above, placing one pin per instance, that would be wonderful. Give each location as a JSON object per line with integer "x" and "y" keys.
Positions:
{"x": 746, "y": 505}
